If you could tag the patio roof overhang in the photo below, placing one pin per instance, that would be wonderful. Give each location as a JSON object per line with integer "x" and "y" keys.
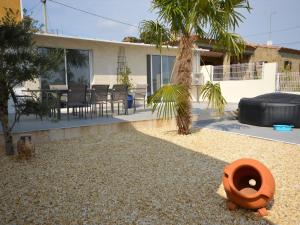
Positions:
{"x": 110, "y": 41}
{"x": 212, "y": 54}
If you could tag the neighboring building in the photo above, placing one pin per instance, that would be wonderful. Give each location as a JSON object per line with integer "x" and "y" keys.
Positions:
{"x": 15, "y": 5}
{"x": 216, "y": 57}
{"x": 287, "y": 59}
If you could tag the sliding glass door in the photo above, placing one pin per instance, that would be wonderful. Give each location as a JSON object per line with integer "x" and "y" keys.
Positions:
{"x": 57, "y": 76}
{"x": 156, "y": 72}
{"x": 73, "y": 67}
{"x": 159, "y": 70}
{"x": 167, "y": 67}
{"x": 78, "y": 69}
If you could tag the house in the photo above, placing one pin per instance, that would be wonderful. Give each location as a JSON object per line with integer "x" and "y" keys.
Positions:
{"x": 102, "y": 61}
{"x": 288, "y": 59}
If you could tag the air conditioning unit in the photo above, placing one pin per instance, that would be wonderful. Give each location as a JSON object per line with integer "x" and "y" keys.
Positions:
{"x": 197, "y": 79}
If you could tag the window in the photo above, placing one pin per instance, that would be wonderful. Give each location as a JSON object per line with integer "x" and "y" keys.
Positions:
{"x": 149, "y": 75}
{"x": 73, "y": 67}
{"x": 156, "y": 72}
{"x": 159, "y": 70}
{"x": 287, "y": 65}
{"x": 167, "y": 67}
{"x": 78, "y": 70}
{"x": 58, "y": 75}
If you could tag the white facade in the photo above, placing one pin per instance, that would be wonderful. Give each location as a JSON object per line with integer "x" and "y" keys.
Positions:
{"x": 103, "y": 63}
{"x": 234, "y": 90}
{"x": 104, "y": 56}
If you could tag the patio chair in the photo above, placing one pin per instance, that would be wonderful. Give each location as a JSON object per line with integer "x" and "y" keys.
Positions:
{"x": 62, "y": 99}
{"x": 99, "y": 96}
{"x": 77, "y": 99}
{"x": 140, "y": 93}
{"x": 119, "y": 95}
{"x": 26, "y": 105}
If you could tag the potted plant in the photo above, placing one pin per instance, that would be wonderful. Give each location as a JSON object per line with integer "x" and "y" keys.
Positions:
{"x": 124, "y": 79}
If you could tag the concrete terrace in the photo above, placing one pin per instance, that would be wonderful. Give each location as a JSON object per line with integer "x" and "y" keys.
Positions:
{"x": 31, "y": 123}
{"x": 202, "y": 117}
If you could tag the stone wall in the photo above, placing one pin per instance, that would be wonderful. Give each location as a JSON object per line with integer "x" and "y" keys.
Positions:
{"x": 271, "y": 54}
{"x": 293, "y": 58}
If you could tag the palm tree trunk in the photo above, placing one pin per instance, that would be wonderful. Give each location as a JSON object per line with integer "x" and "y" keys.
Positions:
{"x": 182, "y": 75}
{"x": 9, "y": 149}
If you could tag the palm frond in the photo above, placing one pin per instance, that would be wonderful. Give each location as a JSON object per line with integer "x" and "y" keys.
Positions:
{"x": 211, "y": 19}
{"x": 212, "y": 93}
{"x": 232, "y": 43}
{"x": 168, "y": 101}
{"x": 153, "y": 32}
{"x": 223, "y": 21}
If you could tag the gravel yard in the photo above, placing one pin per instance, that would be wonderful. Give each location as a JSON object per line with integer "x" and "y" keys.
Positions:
{"x": 143, "y": 177}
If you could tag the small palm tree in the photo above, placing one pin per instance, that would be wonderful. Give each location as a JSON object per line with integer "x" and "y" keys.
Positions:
{"x": 212, "y": 93}
{"x": 186, "y": 22}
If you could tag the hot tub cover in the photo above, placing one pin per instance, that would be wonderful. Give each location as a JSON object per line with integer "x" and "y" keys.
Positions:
{"x": 269, "y": 109}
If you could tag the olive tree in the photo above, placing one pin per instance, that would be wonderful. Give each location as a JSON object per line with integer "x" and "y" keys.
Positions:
{"x": 20, "y": 61}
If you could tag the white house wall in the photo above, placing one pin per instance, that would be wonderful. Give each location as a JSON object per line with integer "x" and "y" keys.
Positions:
{"x": 234, "y": 90}
{"x": 105, "y": 56}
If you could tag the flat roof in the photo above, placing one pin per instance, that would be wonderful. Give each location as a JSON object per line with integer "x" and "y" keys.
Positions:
{"x": 109, "y": 41}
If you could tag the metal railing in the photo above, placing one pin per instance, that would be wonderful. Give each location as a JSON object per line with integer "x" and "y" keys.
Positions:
{"x": 244, "y": 71}
{"x": 288, "y": 82}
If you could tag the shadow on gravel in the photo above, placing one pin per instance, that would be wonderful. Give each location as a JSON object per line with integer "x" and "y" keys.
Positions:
{"x": 119, "y": 176}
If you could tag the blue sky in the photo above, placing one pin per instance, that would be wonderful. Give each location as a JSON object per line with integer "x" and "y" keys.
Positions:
{"x": 285, "y": 21}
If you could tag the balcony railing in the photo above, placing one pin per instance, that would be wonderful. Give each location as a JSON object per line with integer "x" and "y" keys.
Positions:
{"x": 288, "y": 82}
{"x": 245, "y": 71}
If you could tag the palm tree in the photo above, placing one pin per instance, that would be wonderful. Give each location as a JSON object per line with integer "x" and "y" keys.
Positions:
{"x": 186, "y": 22}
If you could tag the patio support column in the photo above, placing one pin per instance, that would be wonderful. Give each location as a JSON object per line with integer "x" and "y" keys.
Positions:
{"x": 226, "y": 66}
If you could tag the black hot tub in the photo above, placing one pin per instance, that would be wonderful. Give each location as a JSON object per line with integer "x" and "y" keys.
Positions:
{"x": 269, "y": 109}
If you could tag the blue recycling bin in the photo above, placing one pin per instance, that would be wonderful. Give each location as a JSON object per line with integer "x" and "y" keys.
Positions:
{"x": 130, "y": 101}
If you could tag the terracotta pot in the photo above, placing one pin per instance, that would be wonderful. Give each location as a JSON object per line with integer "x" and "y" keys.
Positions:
{"x": 248, "y": 184}
{"x": 25, "y": 148}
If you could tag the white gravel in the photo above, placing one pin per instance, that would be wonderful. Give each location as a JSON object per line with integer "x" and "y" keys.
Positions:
{"x": 143, "y": 177}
